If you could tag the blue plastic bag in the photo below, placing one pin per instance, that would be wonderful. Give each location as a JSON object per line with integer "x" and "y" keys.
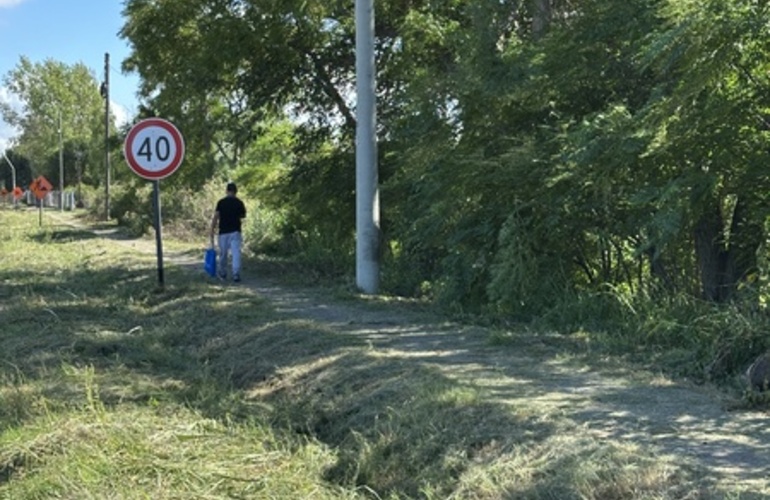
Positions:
{"x": 210, "y": 262}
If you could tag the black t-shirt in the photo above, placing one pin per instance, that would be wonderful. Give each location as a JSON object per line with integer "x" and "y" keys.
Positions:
{"x": 231, "y": 211}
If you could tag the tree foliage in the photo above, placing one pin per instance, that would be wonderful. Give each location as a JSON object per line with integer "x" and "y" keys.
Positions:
{"x": 60, "y": 103}
{"x": 528, "y": 148}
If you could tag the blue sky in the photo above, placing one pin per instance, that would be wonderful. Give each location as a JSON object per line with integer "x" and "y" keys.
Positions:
{"x": 69, "y": 31}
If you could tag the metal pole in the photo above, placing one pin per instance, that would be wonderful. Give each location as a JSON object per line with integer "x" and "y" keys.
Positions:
{"x": 106, "y": 95}
{"x": 13, "y": 169}
{"x": 61, "y": 165}
{"x": 367, "y": 194}
{"x": 158, "y": 225}
{"x": 13, "y": 177}
{"x": 79, "y": 171}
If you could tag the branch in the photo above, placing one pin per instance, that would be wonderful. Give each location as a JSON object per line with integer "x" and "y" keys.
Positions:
{"x": 321, "y": 77}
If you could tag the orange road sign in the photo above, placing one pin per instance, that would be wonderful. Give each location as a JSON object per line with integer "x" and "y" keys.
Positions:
{"x": 43, "y": 184}
{"x": 40, "y": 187}
{"x": 17, "y": 192}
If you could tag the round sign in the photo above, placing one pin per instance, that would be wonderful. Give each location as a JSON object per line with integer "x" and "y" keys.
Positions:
{"x": 154, "y": 148}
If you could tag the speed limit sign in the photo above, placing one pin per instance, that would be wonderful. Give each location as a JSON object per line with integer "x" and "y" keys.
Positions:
{"x": 154, "y": 148}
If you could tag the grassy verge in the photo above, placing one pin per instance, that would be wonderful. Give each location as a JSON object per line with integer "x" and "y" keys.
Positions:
{"x": 113, "y": 388}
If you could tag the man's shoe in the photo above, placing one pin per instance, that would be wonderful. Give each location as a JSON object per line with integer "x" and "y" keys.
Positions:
{"x": 222, "y": 277}
{"x": 237, "y": 278}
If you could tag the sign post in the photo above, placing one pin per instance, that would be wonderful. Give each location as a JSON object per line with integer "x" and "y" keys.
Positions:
{"x": 158, "y": 226}
{"x": 40, "y": 187}
{"x": 154, "y": 149}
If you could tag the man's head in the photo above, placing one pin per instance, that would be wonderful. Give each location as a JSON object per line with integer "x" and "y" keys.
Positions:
{"x": 232, "y": 188}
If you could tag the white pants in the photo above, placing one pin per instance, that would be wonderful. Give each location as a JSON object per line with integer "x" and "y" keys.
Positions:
{"x": 230, "y": 242}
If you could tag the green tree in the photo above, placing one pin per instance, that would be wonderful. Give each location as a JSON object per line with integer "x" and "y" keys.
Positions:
{"x": 526, "y": 147}
{"x": 219, "y": 68}
{"x": 494, "y": 143}
{"x": 59, "y": 102}
{"x": 621, "y": 146}
{"x": 711, "y": 133}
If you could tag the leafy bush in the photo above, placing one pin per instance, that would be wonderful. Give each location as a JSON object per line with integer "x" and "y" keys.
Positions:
{"x": 263, "y": 227}
{"x": 525, "y": 281}
{"x": 88, "y": 197}
{"x": 131, "y": 206}
{"x": 187, "y": 213}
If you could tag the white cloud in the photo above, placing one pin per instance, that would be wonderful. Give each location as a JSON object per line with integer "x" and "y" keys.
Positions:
{"x": 9, "y": 3}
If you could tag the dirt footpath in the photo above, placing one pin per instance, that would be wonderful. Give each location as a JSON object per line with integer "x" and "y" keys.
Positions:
{"x": 608, "y": 401}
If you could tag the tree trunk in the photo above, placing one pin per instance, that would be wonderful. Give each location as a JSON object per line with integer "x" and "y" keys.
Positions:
{"x": 710, "y": 254}
{"x": 724, "y": 263}
{"x": 659, "y": 269}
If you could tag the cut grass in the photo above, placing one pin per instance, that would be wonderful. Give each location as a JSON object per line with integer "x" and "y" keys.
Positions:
{"x": 108, "y": 389}
{"x": 158, "y": 453}
{"x": 113, "y": 388}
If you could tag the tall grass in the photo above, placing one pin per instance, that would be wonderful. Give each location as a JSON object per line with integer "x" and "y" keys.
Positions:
{"x": 680, "y": 334}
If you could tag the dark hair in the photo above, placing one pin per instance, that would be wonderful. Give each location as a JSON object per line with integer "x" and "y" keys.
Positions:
{"x": 232, "y": 188}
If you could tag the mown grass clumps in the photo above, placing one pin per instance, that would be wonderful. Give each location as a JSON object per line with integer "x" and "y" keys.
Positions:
{"x": 159, "y": 452}
{"x": 111, "y": 387}
{"x": 107, "y": 390}
{"x": 412, "y": 432}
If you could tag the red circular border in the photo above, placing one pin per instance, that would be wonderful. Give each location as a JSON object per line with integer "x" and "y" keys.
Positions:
{"x": 176, "y": 137}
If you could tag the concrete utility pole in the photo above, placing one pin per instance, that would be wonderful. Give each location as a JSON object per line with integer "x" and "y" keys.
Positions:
{"x": 79, "y": 170}
{"x": 106, "y": 94}
{"x": 367, "y": 193}
{"x": 61, "y": 165}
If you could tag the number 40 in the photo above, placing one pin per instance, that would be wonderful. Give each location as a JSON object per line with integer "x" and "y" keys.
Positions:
{"x": 162, "y": 149}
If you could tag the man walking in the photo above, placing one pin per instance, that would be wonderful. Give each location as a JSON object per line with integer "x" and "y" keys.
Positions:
{"x": 229, "y": 212}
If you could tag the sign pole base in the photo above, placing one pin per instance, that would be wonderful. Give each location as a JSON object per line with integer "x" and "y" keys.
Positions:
{"x": 158, "y": 230}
